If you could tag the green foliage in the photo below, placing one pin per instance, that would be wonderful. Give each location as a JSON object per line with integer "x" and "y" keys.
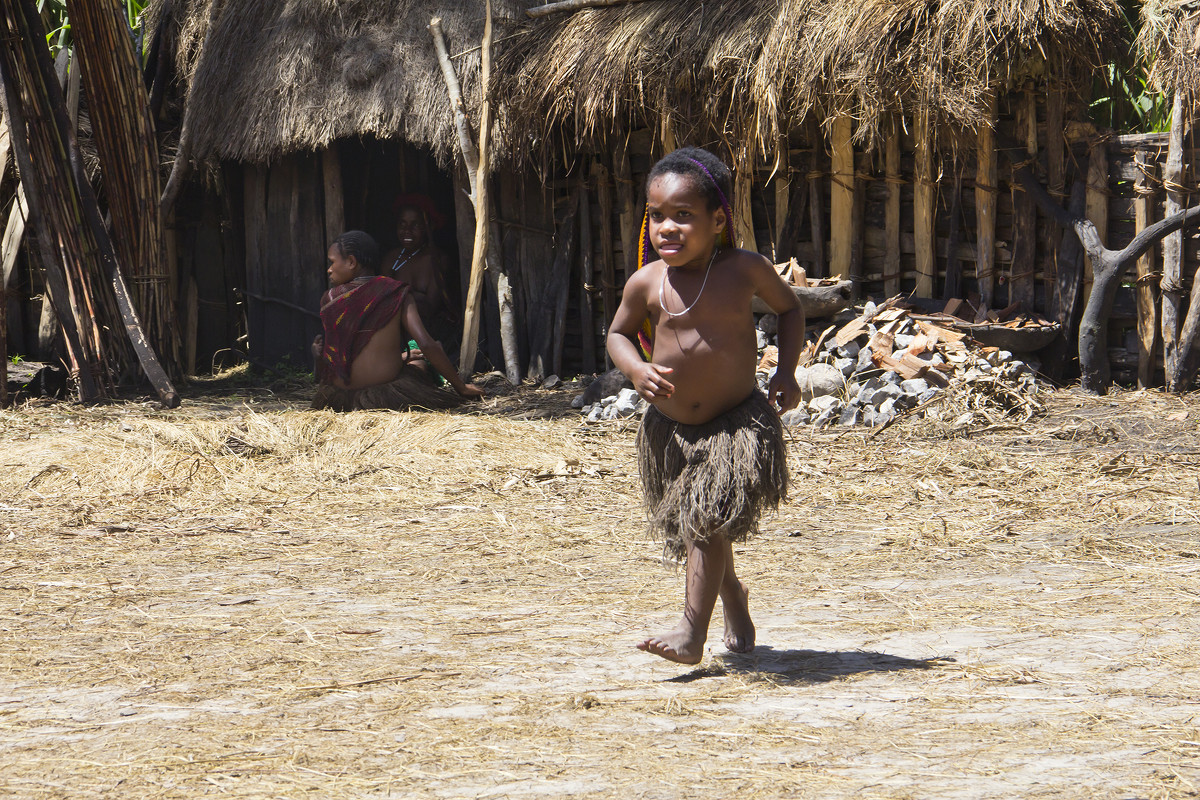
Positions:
{"x": 58, "y": 23}
{"x": 1126, "y": 103}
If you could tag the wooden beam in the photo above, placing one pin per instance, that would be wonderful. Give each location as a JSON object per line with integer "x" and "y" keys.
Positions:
{"x": 1097, "y": 201}
{"x": 1172, "y": 245}
{"x": 586, "y": 276}
{"x": 1024, "y": 244}
{"x": 743, "y": 188}
{"x": 630, "y": 219}
{"x": 667, "y": 132}
{"x": 816, "y": 200}
{"x": 891, "y": 257}
{"x": 923, "y": 195}
{"x": 841, "y": 196}
{"x": 1147, "y": 299}
{"x": 335, "y": 198}
{"x": 986, "y": 189}
{"x": 953, "y": 286}
{"x": 1056, "y": 179}
{"x": 782, "y": 183}
{"x": 604, "y": 209}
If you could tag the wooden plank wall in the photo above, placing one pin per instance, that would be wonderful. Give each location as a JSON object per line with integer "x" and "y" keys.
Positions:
{"x": 968, "y": 207}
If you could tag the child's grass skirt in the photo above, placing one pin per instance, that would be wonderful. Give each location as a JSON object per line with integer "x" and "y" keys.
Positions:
{"x": 415, "y": 388}
{"x": 711, "y": 479}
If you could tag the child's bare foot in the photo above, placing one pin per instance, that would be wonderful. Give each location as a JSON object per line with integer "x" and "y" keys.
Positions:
{"x": 739, "y": 628}
{"x": 681, "y": 645}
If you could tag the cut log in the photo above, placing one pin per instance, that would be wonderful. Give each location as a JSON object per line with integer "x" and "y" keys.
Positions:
{"x": 817, "y": 301}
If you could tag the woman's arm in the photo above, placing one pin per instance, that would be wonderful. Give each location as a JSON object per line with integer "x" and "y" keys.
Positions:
{"x": 432, "y": 349}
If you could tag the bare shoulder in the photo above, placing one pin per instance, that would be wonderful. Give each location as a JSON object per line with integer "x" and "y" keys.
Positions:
{"x": 752, "y": 267}
{"x": 642, "y": 279}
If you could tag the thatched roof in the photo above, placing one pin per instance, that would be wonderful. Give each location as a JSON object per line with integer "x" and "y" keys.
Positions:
{"x": 734, "y": 66}
{"x": 267, "y": 77}
{"x": 1170, "y": 43}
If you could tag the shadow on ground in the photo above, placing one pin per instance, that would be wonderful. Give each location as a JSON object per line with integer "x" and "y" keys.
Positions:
{"x": 805, "y": 667}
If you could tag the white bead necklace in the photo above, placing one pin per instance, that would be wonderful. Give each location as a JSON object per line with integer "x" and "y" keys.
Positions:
{"x": 398, "y": 265}
{"x": 703, "y": 283}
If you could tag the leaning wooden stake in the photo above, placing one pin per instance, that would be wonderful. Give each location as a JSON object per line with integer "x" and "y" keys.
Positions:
{"x": 471, "y": 158}
{"x": 470, "y": 339}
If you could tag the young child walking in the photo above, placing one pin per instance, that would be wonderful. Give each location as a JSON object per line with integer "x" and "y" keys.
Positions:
{"x": 710, "y": 449}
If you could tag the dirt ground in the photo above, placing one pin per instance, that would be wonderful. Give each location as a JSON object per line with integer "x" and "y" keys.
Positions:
{"x": 243, "y": 598}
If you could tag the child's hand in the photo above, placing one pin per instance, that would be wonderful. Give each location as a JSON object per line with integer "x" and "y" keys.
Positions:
{"x": 650, "y": 382}
{"x": 783, "y": 391}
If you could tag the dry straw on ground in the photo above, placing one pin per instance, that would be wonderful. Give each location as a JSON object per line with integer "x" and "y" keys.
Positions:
{"x": 247, "y": 599}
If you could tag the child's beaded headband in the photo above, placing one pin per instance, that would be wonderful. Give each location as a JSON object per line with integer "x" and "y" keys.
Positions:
{"x": 646, "y": 250}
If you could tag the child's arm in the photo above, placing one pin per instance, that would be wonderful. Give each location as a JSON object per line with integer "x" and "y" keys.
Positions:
{"x": 648, "y": 379}
{"x": 783, "y": 389}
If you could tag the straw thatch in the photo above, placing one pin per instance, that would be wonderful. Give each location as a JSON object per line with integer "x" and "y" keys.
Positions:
{"x": 245, "y": 600}
{"x": 264, "y": 79}
{"x": 1170, "y": 43}
{"x": 728, "y": 66}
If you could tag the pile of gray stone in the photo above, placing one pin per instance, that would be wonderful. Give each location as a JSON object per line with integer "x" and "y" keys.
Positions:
{"x": 880, "y": 364}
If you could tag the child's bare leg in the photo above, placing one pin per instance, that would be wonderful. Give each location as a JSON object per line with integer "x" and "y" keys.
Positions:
{"x": 739, "y": 628}
{"x": 706, "y": 564}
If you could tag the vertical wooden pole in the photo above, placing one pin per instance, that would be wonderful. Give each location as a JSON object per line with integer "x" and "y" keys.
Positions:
{"x": 891, "y": 255}
{"x": 743, "y": 186}
{"x": 470, "y": 341}
{"x": 255, "y": 204}
{"x": 667, "y": 131}
{"x": 604, "y": 209}
{"x": 1056, "y": 178}
{"x": 1024, "y": 244}
{"x": 1172, "y": 245}
{"x": 841, "y": 196}
{"x": 953, "y": 286}
{"x": 986, "y": 179}
{"x": 586, "y": 320}
{"x": 1147, "y": 300}
{"x": 335, "y": 198}
{"x": 782, "y": 181}
{"x": 1097, "y": 201}
{"x": 630, "y": 219}
{"x": 923, "y": 194}
{"x": 816, "y": 200}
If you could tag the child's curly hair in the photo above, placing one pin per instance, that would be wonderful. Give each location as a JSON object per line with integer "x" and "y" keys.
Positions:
{"x": 362, "y": 246}
{"x": 708, "y": 173}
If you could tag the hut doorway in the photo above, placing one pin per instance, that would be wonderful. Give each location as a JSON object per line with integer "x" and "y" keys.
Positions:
{"x": 378, "y": 175}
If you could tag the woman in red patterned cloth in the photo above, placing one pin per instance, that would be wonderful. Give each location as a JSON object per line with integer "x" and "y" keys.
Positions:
{"x": 363, "y": 359}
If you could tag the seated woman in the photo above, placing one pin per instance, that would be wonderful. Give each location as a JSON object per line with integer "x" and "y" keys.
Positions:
{"x": 418, "y": 262}
{"x": 363, "y": 358}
